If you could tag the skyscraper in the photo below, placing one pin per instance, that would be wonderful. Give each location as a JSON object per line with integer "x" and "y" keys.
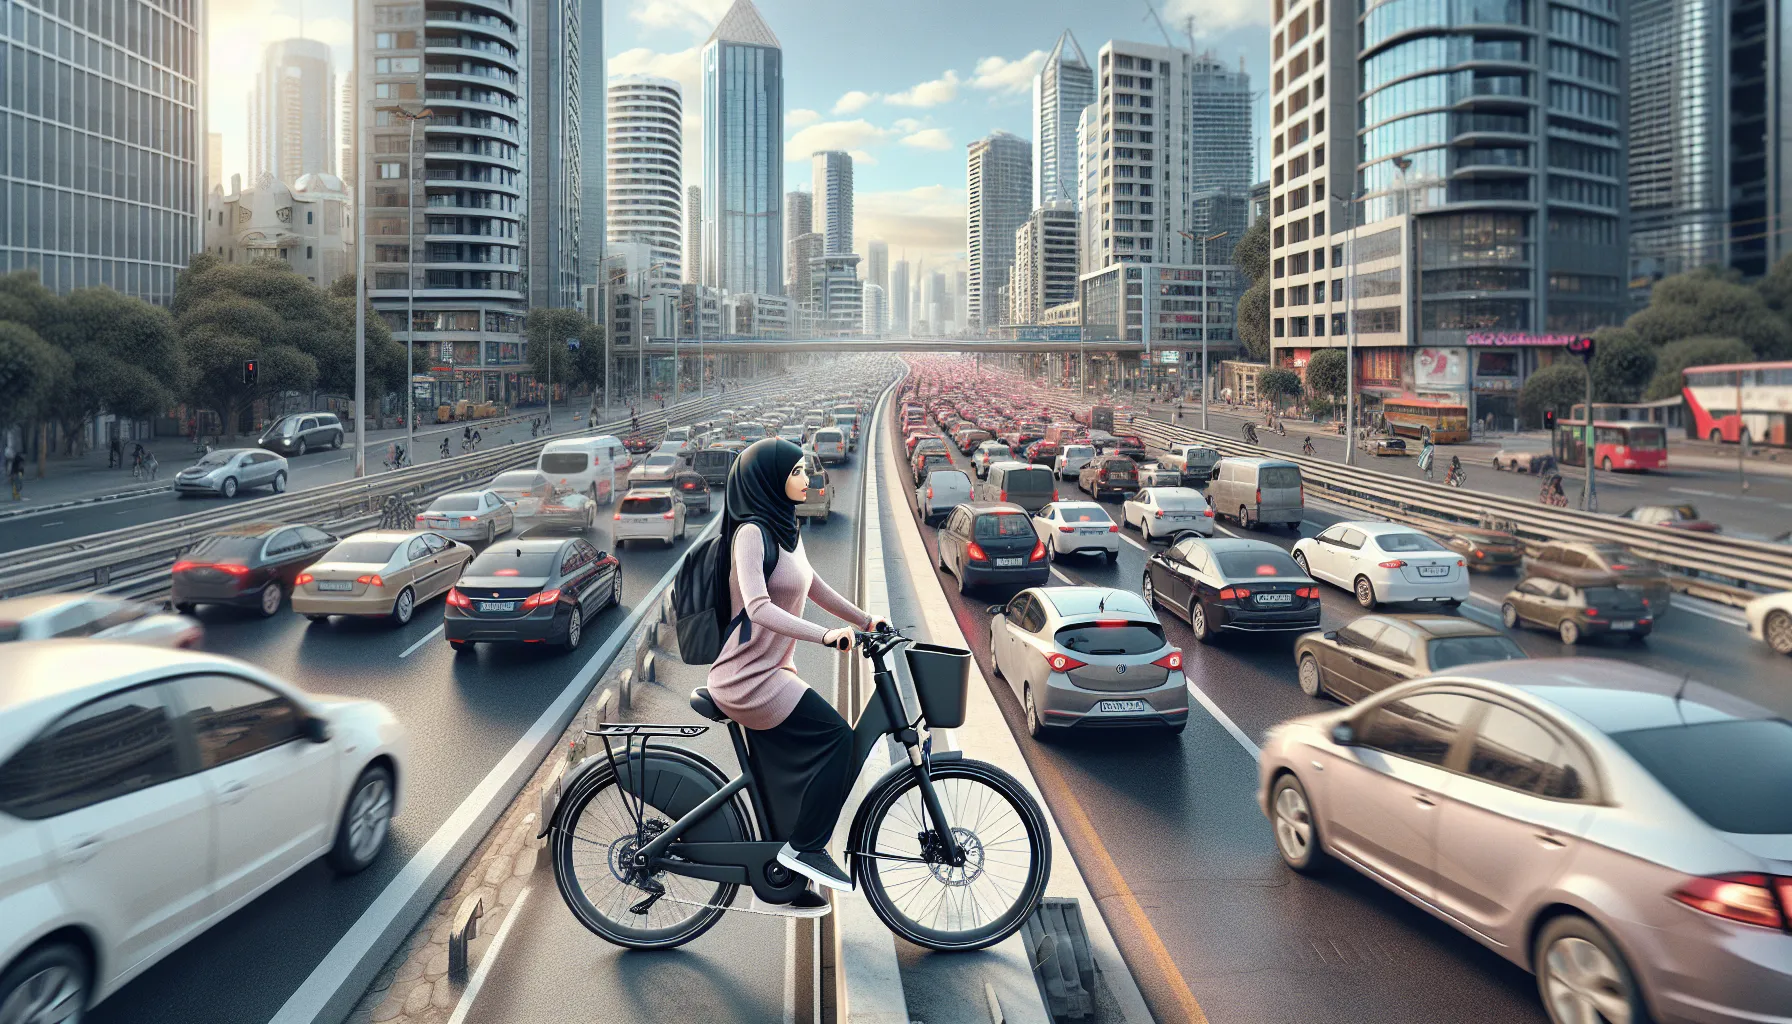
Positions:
{"x": 998, "y": 174}
{"x": 1044, "y": 273}
{"x": 349, "y": 167}
{"x": 552, "y": 228}
{"x": 799, "y": 220}
{"x": 877, "y": 263}
{"x": 804, "y": 249}
{"x": 292, "y": 116}
{"x": 67, "y": 218}
{"x": 646, "y": 166}
{"x": 1136, "y": 183}
{"x": 877, "y": 310}
{"x": 1220, "y": 141}
{"x": 833, "y": 199}
{"x": 693, "y": 234}
{"x": 743, "y": 154}
{"x": 899, "y": 299}
{"x": 1064, "y": 85}
{"x": 593, "y": 139}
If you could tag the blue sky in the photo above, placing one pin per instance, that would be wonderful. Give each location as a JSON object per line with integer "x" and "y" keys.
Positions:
{"x": 904, "y": 85}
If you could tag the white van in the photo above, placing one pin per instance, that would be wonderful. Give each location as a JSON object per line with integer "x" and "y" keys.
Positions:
{"x": 830, "y": 444}
{"x": 619, "y": 453}
{"x": 584, "y": 464}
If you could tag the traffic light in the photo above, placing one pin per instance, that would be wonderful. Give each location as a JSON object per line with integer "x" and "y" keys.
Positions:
{"x": 1549, "y": 420}
{"x": 249, "y": 371}
{"x": 1582, "y": 347}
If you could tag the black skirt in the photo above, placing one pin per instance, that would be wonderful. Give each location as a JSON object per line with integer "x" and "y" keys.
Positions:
{"x": 804, "y": 766}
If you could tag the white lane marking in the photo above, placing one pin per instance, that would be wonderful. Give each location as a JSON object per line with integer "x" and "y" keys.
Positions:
{"x": 789, "y": 975}
{"x": 484, "y": 970}
{"x": 45, "y": 526}
{"x": 319, "y": 989}
{"x": 1226, "y": 720}
{"x": 427, "y": 637}
{"x": 1224, "y": 530}
{"x": 1135, "y": 543}
{"x": 1063, "y": 576}
{"x": 1686, "y": 604}
{"x": 1693, "y": 490}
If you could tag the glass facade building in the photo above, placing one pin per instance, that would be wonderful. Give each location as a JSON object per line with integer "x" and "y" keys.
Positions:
{"x": 292, "y": 121}
{"x": 743, "y": 155}
{"x": 998, "y": 177}
{"x": 832, "y": 199}
{"x": 104, "y": 131}
{"x": 1064, "y": 85}
{"x": 593, "y": 139}
{"x": 552, "y": 229}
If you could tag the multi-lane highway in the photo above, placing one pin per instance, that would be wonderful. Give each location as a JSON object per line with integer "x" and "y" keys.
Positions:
{"x": 1252, "y": 941}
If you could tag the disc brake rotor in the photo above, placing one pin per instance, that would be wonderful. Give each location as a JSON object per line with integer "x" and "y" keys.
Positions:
{"x": 946, "y": 872}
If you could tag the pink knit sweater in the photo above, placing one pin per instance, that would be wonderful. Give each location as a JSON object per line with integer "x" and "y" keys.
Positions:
{"x": 756, "y": 682}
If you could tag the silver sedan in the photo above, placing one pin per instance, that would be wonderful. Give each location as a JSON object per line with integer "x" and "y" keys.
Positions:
{"x": 95, "y": 617}
{"x": 1620, "y": 832}
{"x": 469, "y": 516}
{"x": 229, "y": 470}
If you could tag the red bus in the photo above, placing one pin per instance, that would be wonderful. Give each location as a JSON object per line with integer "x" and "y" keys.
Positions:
{"x": 1637, "y": 447}
{"x": 1765, "y": 390}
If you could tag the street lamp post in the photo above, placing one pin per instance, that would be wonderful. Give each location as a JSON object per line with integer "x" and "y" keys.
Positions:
{"x": 1205, "y": 286}
{"x": 410, "y": 276}
{"x": 1350, "y": 332}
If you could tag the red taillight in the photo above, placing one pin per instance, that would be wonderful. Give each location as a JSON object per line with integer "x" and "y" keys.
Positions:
{"x": 1208, "y": 513}
{"x": 303, "y": 578}
{"x": 1234, "y": 594}
{"x": 371, "y": 579}
{"x": 1592, "y": 613}
{"x": 1312, "y": 592}
{"x": 544, "y": 597}
{"x": 974, "y": 552}
{"x": 617, "y": 516}
{"x": 1171, "y": 661}
{"x": 1054, "y": 494}
{"x": 1159, "y": 514}
{"x": 232, "y": 568}
{"x": 666, "y": 515}
{"x": 1113, "y": 527}
{"x": 929, "y": 492}
{"x": 419, "y": 517}
{"x": 1003, "y": 494}
{"x": 183, "y": 566}
{"x": 1038, "y": 554}
{"x": 1478, "y": 553}
{"x": 1393, "y": 564}
{"x": 1745, "y": 897}
{"x": 458, "y": 599}
{"x": 1063, "y": 662}
{"x": 1619, "y": 568}
{"x": 1259, "y": 495}
{"x": 1066, "y": 529}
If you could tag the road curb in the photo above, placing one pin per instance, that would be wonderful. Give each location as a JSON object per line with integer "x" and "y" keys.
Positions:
{"x": 98, "y": 499}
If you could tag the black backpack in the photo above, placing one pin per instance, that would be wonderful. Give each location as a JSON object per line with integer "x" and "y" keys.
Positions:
{"x": 700, "y": 610}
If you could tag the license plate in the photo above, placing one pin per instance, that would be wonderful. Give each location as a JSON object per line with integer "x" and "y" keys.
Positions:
{"x": 335, "y": 585}
{"x": 1626, "y": 624}
{"x": 1003, "y": 562}
{"x": 439, "y": 524}
{"x": 497, "y": 606}
{"x": 1275, "y": 598}
{"x": 1113, "y": 707}
{"x": 1434, "y": 570}
{"x": 1097, "y": 529}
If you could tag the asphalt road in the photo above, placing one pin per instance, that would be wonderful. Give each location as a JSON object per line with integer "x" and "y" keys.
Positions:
{"x": 1255, "y": 943}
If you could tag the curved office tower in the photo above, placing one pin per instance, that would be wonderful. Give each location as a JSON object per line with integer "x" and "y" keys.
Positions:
{"x": 743, "y": 155}
{"x": 646, "y": 160}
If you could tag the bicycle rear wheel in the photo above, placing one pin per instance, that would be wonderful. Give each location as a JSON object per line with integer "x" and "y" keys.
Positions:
{"x": 932, "y": 903}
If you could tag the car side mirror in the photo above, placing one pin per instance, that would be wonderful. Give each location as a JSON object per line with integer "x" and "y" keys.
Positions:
{"x": 315, "y": 729}
{"x": 997, "y": 609}
{"x": 1330, "y": 634}
{"x": 1344, "y": 735}
{"x": 601, "y": 555}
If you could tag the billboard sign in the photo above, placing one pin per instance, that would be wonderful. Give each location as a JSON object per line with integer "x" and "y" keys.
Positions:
{"x": 1445, "y": 368}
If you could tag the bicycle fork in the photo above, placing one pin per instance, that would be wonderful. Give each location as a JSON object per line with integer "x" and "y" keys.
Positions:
{"x": 885, "y": 683}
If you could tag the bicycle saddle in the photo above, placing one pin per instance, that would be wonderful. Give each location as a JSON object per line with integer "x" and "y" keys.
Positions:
{"x": 703, "y": 705}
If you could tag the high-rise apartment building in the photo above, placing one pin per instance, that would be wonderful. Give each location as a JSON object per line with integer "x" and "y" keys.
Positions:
{"x": 348, "y": 167}
{"x": 693, "y": 234}
{"x": 832, "y": 184}
{"x": 594, "y": 141}
{"x": 836, "y": 295}
{"x": 1137, "y": 158}
{"x": 1064, "y": 85}
{"x": 998, "y": 176}
{"x": 646, "y": 168}
{"x": 799, "y": 220}
{"x": 1491, "y": 226}
{"x": 1088, "y": 166}
{"x": 84, "y": 221}
{"x": 900, "y": 299}
{"x": 1044, "y": 272}
{"x": 292, "y": 113}
{"x": 877, "y": 311}
{"x": 877, "y": 263}
{"x": 1220, "y": 140}
{"x": 465, "y": 201}
{"x": 804, "y": 249}
{"x": 743, "y": 154}
{"x": 551, "y": 230}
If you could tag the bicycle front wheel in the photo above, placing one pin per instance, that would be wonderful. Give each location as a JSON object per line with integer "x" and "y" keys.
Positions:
{"x": 930, "y": 902}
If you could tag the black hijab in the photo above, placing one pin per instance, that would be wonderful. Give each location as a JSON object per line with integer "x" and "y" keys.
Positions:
{"x": 756, "y": 492}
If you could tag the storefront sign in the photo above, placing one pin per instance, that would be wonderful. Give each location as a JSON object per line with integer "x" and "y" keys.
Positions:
{"x": 1440, "y": 368}
{"x": 1519, "y": 339}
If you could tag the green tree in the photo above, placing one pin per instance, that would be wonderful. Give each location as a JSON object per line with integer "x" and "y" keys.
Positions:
{"x": 1556, "y": 386}
{"x": 1622, "y": 365}
{"x": 1676, "y": 356}
{"x": 1328, "y": 373}
{"x": 1251, "y": 257}
{"x": 29, "y": 367}
{"x": 1277, "y": 384}
{"x": 1709, "y": 302}
{"x": 548, "y": 330}
{"x": 1251, "y": 254}
{"x": 122, "y": 356}
{"x": 1776, "y": 287}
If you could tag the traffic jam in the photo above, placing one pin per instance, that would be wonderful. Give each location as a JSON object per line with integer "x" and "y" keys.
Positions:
{"x": 1541, "y": 749}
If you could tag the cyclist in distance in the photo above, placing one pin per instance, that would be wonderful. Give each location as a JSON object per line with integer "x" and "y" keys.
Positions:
{"x": 1455, "y": 475}
{"x": 803, "y": 748}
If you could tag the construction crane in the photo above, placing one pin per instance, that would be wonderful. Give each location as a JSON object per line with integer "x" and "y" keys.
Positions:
{"x": 1188, "y": 26}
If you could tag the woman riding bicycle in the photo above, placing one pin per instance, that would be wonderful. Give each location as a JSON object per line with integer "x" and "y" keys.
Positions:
{"x": 1250, "y": 433}
{"x": 1552, "y": 491}
{"x": 802, "y": 746}
{"x": 1306, "y": 447}
{"x": 1455, "y": 474}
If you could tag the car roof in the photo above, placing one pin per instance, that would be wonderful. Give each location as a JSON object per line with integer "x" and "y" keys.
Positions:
{"x": 1443, "y": 625}
{"x": 648, "y": 492}
{"x": 391, "y": 535}
{"x": 1220, "y": 545}
{"x": 994, "y": 506}
{"x": 1076, "y": 601}
{"x": 1379, "y": 529}
{"x": 1614, "y": 696}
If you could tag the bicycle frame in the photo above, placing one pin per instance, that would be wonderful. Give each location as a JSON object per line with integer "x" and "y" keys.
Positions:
{"x": 754, "y": 862}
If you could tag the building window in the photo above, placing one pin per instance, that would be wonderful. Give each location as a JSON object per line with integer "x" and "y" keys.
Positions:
{"x": 1278, "y": 266}
{"x": 308, "y": 252}
{"x": 1318, "y": 259}
{"x": 1299, "y": 326}
{"x": 1297, "y": 263}
{"x": 1278, "y": 295}
{"x": 1278, "y": 326}
{"x": 1297, "y": 295}
{"x": 393, "y": 169}
{"x": 1378, "y": 321}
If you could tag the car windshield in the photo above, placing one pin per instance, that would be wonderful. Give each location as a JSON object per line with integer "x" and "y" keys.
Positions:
{"x": 284, "y": 425}
{"x": 455, "y": 503}
{"x": 1278, "y": 476}
{"x": 646, "y": 506}
{"x": 1084, "y": 514}
{"x": 216, "y": 459}
{"x": 1112, "y": 637}
{"x": 662, "y": 460}
{"x": 1616, "y": 597}
{"x": 1452, "y": 651}
{"x": 1250, "y": 564}
{"x": 371, "y": 552}
{"x": 501, "y": 561}
{"x": 1078, "y": 451}
{"x": 1735, "y": 775}
{"x": 564, "y": 462}
{"x": 1407, "y": 542}
{"x": 1179, "y": 502}
{"x": 1621, "y": 558}
{"x": 1003, "y": 525}
{"x": 994, "y": 451}
{"x": 226, "y": 547}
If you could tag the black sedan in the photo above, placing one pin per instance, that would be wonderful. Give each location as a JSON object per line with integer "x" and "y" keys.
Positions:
{"x": 1220, "y": 584}
{"x": 249, "y": 565}
{"x": 694, "y": 489}
{"x": 532, "y": 591}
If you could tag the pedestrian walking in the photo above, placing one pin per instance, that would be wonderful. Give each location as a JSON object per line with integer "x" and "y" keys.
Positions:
{"x": 1426, "y": 452}
{"x": 15, "y": 475}
{"x": 115, "y": 454}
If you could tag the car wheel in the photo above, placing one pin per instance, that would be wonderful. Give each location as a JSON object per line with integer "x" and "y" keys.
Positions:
{"x": 1716, "y": 436}
{"x": 300, "y": 451}
{"x": 1365, "y": 593}
{"x": 1035, "y": 727}
{"x": 1582, "y": 976}
{"x": 1242, "y": 520}
{"x": 1509, "y": 615}
{"x": 1300, "y": 560}
{"x": 1606, "y": 464}
{"x": 963, "y": 586}
{"x": 1112, "y": 556}
{"x": 185, "y": 607}
{"x": 336, "y": 441}
{"x": 491, "y": 533}
{"x": 48, "y": 984}
{"x": 404, "y": 606}
{"x": 268, "y": 601}
{"x": 575, "y": 629}
{"x": 462, "y": 648}
{"x": 228, "y": 490}
{"x": 1297, "y": 827}
{"x": 366, "y": 821}
{"x": 1197, "y": 623}
{"x": 280, "y": 483}
{"x": 1778, "y": 631}
{"x": 1570, "y": 632}
{"x": 1149, "y": 591}
{"x": 1310, "y": 683}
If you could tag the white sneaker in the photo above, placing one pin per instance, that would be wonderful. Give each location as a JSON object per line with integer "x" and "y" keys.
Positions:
{"x": 808, "y": 903}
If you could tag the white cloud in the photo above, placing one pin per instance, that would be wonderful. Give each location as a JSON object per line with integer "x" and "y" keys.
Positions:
{"x": 1213, "y": 17}
{"x": 698, "y": 17}
{"x": 847, "y": 135}
{"x": 929, "y": 138}
{"x": 854, "y": 101}
{"x": 928, "y": 94}
{"x": 862, "y": 158}
{"x": 1008, "y": 77}
{"x": 800, "y": 118}
{"x": 922, "y": 225}
{"x": 906, "y": 125}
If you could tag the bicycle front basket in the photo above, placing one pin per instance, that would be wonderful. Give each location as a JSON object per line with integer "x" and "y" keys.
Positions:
{"x": 940, "y": 675}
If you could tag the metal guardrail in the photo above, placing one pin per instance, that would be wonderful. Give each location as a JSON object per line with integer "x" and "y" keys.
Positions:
{"x": 134, "y": 561}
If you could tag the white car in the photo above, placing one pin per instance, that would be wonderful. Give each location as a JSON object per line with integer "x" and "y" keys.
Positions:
{"x": 1153, "y": 474}
{"x": 1770, "y": 620}
{"x": 1071, "y": 460}
{"x": 173, "y": 788}
{"x": 97, "y": 617}
{"x": 649, "y": 513}
{"x": 986, "y": 453}
{"x": 943, "y": 490}
{"x": 1384, "y": 562}
{"x": 657, "y": 468}
{"x": 1161, "y": 512}
{"x": 1077, "y": 528}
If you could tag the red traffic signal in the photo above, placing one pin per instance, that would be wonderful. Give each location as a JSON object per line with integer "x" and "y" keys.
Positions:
{"x": 1582, "y": 347}
{"x": 1549, "y": 420}
{"x": 249, "y": 367}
